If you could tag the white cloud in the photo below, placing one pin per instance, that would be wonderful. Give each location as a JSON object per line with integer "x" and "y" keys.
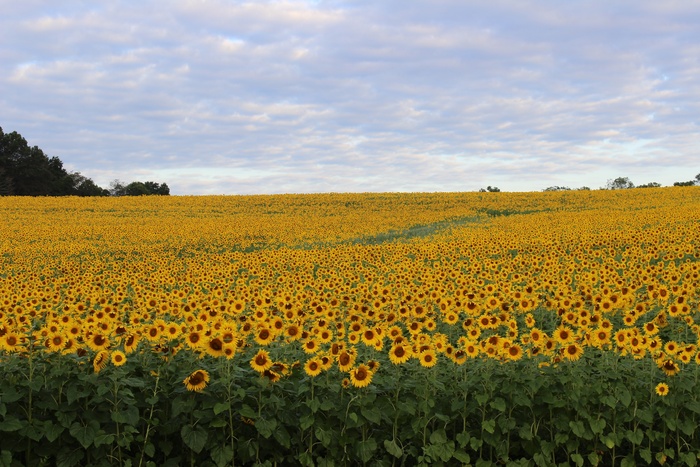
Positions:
{"x": 252, "y": 97}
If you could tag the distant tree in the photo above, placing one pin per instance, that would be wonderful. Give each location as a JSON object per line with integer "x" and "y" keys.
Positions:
{"x": 27, "y": 171}
{"x": 157, "y": 188}
{"x": 557, "y": 188}
{"x": 117, "y": 188}
{"x": 650, "y": 185}
{"x": 584, "y": 188}
{"x": 620, "y": 183}
{"x": 492, "y": 189}
{"x": 83, "y": 186}
{"x": 136, "y": 189}
{"x": 5, "y": 183}
{"x": 695, "y": 181}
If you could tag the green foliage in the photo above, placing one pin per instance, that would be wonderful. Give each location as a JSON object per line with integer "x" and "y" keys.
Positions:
{"x": 600, "y": 410}
{"x": 620, "y": 183}
{"x": 27, "y": 171}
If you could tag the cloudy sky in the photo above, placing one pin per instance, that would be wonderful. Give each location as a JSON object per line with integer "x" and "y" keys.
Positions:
{"x": 229, "y": 97}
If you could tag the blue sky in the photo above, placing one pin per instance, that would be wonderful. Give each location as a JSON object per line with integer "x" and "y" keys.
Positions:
{"x": 226, "y": 97}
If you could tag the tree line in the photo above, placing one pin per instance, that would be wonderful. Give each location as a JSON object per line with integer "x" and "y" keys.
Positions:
{"x": 27, "y": 171}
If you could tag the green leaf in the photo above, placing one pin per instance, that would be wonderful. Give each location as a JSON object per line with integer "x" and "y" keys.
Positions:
{"x": 594, "y": 458}
{"x": 624, "y": 396}
{"x": 482, "y": 398}
{"x": 150, "y": 450}
{"x": 475, "y": 443}
{"x": 489, "y": 425}
{"x": 499, "y": 404}
{"x": 324, "y": 436}
{"x": 11, "y": 423}
{"x": 221, "y": 407}
{"x": 52, "y": 431}
{"x": 85, "y": 434}
{"x": 597, "y": 426}
{"x": 393, "y": 448}
{"x": 541, "y": 460}
{"x": 282, "y": 436}
{"x": 306, "y": 421}
{"x": 69, "y": 457}
{"x": 247, "y": 412}
{"x": 578, "y": 428}
{"x": 608, "y": 441}
{"x": 690, "y": 458}
{"x": 265, "y": 427}
{"x": 372, "y": 414}
{"x": 195, "y": 437}
{"x": 461, "y": 456}
{"x": 646, "y": 455}
{"x": 5, "y": 458}
{"x": 406, "y": 408}
{"x": 181, "y": 405}
{"x": 218, "y": 423}
{"x": 222, "y": 455}
{"x": 628, "y": 461}
{"x": 462, "y": 438}
{"x": 314, "y": 405}
{"x": 103, "y": 438}
{"x": 438, "y": 437}
{"x": 636, "y": 436}
{"x": 577, "y": 458}
{"x": 365, "y": 449}
{"x": 130, "y": 416}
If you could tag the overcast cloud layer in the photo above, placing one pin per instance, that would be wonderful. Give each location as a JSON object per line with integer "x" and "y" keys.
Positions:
{"x": 225, "y": 97}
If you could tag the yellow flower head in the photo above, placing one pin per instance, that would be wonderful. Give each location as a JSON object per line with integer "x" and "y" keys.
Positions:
{"x": 662, "y": 389}
{"x": 197, "y": 381}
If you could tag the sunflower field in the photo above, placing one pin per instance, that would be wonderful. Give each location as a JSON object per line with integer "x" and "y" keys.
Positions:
{"x": 517, "y": 329}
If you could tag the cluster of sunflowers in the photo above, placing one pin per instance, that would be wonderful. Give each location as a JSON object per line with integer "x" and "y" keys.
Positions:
{"x": 308, "y": 281}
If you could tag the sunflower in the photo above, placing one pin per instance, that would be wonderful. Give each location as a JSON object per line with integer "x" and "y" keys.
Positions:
{"x": 399, "y": 354}
{"x": 310, "y": 346}
{"x": 193, "y": 339}
{"x": 361, "y": 376}
{"x": 10, "y": 341}
{"x": 272, "y": 376}
{"x": 563, "y": 335}
{"x": 97, "y": 342}
{"x": 100, "y": 361}
{"x": 264, "y": 336}
{"x": 197, "y": 381}
{"x": 118, "y": 358}
{"x": 312, "y": 367}
{"x": 514, "y": 352}
{"x": 427, "y": 358}
{"x": 471, "y": 349}
{"x": 215, "y": 347}
{"x": 292, "y": 332}
{"x": 55, "y": 342}
{"x": 261, "y": 361}
{"x": 662, "y": 389}
{"x": 346, "y": 359}
{"x": 131, "y": 342}
{"x": 669, "y": 367}
{"x": 573, "y": 351}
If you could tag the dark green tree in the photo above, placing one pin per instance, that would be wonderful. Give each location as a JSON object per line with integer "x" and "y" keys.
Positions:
{"x": 650, "y": 185}
{"x": 27, "y": 171}
{"x": 620, "y": 183}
